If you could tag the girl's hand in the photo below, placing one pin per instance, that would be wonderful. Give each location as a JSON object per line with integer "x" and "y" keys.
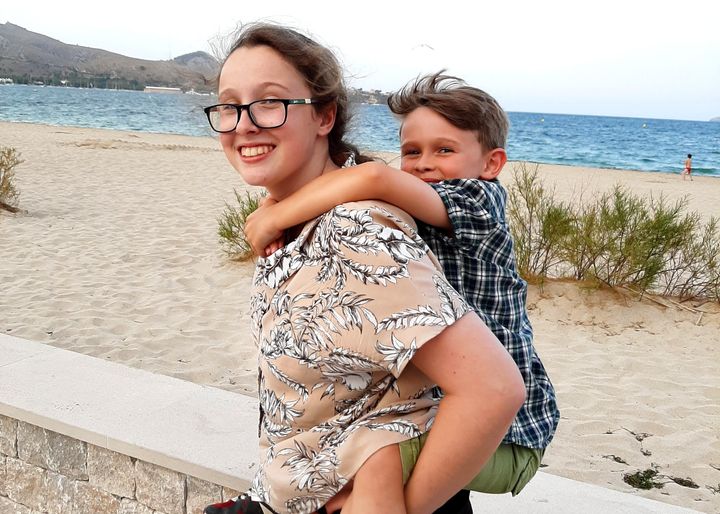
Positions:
{"x": 260, "y": 231}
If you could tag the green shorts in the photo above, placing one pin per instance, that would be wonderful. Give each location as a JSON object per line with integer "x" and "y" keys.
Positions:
{"x": 509, "y": 469}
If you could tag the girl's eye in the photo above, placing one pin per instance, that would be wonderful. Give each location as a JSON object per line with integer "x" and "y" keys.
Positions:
{"x": 446, "y": 149}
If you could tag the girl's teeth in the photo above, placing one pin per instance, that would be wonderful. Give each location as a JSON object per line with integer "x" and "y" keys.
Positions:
{"x": 252, "y": 151}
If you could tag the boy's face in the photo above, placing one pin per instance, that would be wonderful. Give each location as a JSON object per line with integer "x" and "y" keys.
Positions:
{"x": 433, "y": 149}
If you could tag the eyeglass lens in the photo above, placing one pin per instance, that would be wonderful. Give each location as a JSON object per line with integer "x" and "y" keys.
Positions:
{"x": 263, "y": 113}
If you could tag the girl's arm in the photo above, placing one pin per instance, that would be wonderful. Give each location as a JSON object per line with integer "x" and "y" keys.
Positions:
{"x": 483, "y": 391}
{"x": 368, "y": 181}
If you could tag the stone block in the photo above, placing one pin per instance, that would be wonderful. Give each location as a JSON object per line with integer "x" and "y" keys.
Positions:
{"x": 200, "y": 494}
{"x": 3, "y": 476}
{"x": 52, "y": 451}
{"x": 26, "y": 484}
{"x": 87, "y": 498}
{"x": 41, "y": 490}
{"x": 228, "y": 493}
{"x": 128, "y": 506}
{"x": 159, "y": 488}
{"x": 111, "y": 471}
{"x": 8, "y": 436}
{"x": 60, "y": 493}
{"x": 7, "y": 506}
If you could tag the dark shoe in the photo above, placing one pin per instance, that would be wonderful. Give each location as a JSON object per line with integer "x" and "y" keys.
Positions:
{"x": 240, "y": 505}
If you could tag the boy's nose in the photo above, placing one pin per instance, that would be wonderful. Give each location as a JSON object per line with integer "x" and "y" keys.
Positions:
{"x": 424, "y": 164}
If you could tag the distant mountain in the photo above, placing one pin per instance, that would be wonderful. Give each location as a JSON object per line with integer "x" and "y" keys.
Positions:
{"x": 28, "y": 57}
{"x": 200, "y": 62}
{"x": 715, "y": 119}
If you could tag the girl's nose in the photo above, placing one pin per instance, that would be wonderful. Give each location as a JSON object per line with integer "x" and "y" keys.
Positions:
{"x": 245, "y": 124}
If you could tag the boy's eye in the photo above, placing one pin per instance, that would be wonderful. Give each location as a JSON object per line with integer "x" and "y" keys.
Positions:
{"x": 405, "y": 152}
{"x": 446, "y": 149}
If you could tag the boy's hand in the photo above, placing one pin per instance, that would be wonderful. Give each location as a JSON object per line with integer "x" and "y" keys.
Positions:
{"x": 260, "y": 231}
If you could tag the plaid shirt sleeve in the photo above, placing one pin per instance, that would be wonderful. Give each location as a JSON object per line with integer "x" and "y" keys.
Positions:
{"x": 472, "y": 212}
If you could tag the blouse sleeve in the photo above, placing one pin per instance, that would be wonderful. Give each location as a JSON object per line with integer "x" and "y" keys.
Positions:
{"x": 391, "y": 294}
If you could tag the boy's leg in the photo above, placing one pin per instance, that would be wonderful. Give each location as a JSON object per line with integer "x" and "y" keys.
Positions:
{"x": 509, "y": 469}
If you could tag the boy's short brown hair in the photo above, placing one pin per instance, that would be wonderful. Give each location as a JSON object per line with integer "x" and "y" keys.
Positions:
{"x": 466, "y": 107}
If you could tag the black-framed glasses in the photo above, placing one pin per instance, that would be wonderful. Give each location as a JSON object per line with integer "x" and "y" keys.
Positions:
{"x": 264, "y": 114}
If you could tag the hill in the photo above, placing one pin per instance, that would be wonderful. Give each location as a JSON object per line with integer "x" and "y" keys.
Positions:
{"x": 28, "y": 57}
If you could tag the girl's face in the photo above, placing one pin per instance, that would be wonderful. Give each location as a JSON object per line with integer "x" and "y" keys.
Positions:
{"x": 280, "y": 159}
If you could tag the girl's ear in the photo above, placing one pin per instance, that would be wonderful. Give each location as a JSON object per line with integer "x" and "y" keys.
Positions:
{"x": 494, "y": 162}
{"x": 327, "y": 119}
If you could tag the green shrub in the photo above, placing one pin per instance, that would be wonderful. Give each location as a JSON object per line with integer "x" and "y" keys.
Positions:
{"x": 693, "y": 269}
{"x": 539, "y": 223}
{"x": 634, "y": 236}
{"x": 9, "y": 194}
{"x": 617, "y": 238}
{"x": 231, "y": 223}
{"x": 584, "y": 244}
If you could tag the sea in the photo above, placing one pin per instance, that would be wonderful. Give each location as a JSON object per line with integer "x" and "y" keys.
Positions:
{"x": 646, "y": 144}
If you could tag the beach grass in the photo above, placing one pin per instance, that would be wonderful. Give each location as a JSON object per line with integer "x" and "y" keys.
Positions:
{"x": 9, "y": 194}
{"x": 616, "y": 238}
{"x": 231, "y": 223}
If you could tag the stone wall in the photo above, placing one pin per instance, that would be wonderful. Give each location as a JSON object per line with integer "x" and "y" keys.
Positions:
{"x": 46, "y": 472}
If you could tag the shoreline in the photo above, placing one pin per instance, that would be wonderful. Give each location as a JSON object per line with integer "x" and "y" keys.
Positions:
{"x": 387, "y": 155}
{"x": 115, "y": 255}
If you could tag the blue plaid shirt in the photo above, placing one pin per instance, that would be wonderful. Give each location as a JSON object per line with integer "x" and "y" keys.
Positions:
{"x": 479, "y": 262}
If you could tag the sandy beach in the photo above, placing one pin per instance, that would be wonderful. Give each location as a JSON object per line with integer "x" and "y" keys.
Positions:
{"x": 115, "y": 254}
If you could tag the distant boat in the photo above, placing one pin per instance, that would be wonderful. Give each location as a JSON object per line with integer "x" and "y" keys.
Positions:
{"x": 8, "y": 82}
{"x": 159, "y": 89}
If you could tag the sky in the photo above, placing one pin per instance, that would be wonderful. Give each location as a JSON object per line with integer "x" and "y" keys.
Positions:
{"x": 636, "y": 58}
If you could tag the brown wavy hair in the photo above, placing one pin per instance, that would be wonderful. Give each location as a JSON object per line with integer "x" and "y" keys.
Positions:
{"x": 321, "y": 70}
{"x": 466, "y": 107}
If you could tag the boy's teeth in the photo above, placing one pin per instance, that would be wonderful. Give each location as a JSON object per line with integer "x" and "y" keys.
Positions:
{"x": 252, "y": 151}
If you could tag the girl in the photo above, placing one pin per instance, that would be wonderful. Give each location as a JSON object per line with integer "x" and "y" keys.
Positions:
{"x": 354, "y": 321}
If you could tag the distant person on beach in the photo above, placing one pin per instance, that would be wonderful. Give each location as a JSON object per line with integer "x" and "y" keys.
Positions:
{"x": 355, "y": 322}
{"x": 453, "y": 140}
{"x": 687, "y": 172}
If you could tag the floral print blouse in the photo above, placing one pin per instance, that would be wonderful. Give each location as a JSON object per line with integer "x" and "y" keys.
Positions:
{"x": 338, "y": 314}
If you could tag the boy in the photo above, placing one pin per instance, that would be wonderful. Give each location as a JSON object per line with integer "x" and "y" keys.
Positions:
{"x": 452, "y": 139}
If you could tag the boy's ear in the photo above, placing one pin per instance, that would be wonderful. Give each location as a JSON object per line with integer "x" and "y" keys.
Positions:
{"x": 494, "y": 161}
{"x": 327, "y": 119}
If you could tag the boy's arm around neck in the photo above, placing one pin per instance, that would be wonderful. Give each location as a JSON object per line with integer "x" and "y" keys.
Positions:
{"x": 367, "y": 181}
